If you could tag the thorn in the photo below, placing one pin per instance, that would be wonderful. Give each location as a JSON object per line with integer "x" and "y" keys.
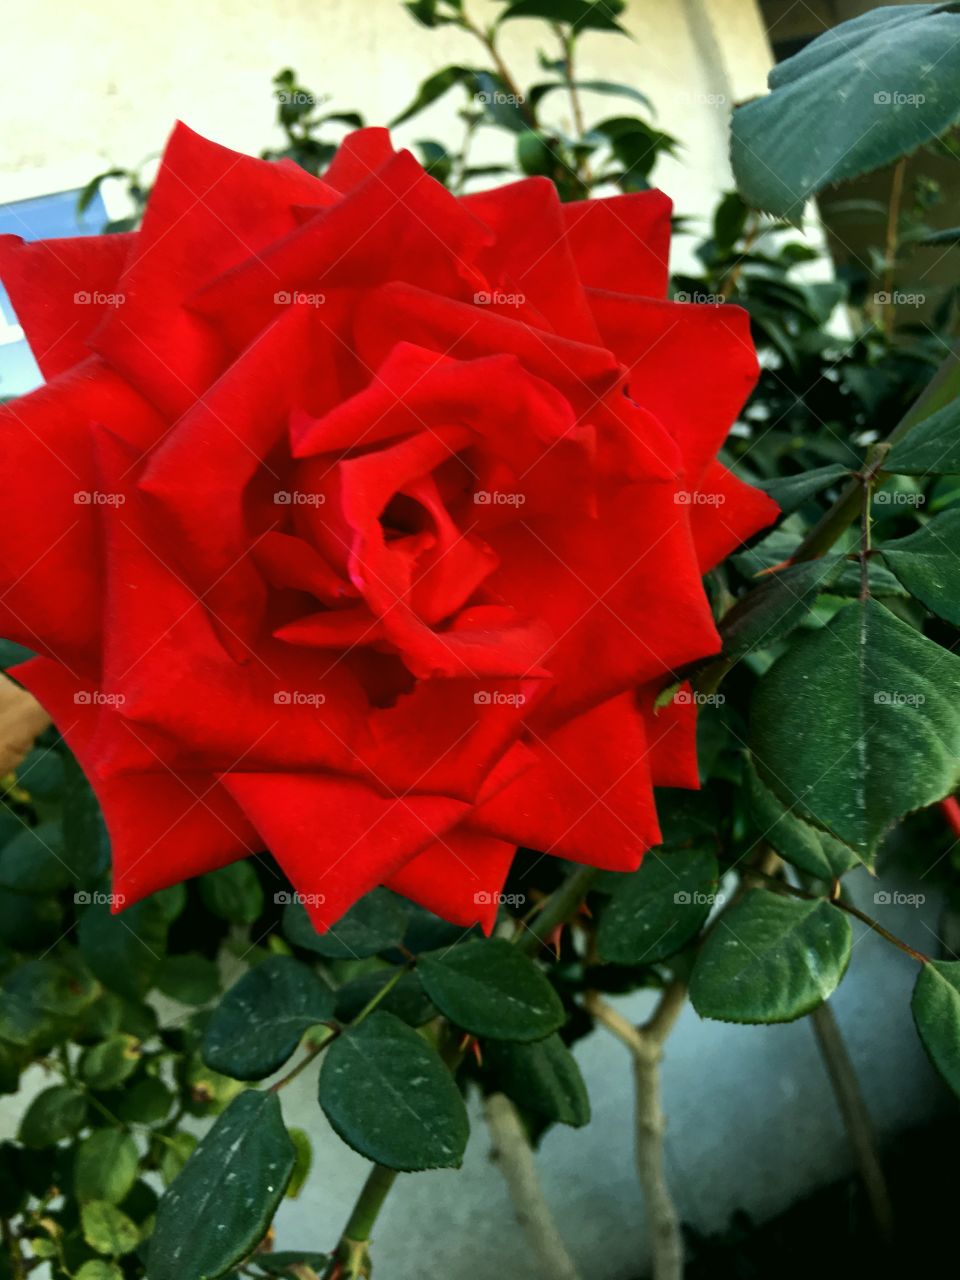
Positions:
{"x": 554, "y": 938}
{"x": 774, "y": 568}
{"x": 477, "y": 1052}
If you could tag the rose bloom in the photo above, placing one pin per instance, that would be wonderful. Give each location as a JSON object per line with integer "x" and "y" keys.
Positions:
{"x": 364, "y": 523}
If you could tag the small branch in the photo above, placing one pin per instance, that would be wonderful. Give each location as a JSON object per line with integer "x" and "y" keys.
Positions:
{"x": 511, "y": 1150}
{"x": 646, "y": 1047}
{"x": 856, "y": 1117}
{"x": 351, "y": 1258}
{"x": 316, "y": 1048}
{"x": 502, "y": 70}
{"x": 778, "y": 885}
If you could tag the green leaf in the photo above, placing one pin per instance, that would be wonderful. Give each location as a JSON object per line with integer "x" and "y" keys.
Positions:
{"x": 489, "y": 988}
{"x": 57, "y": 1113}
{"x": 37, "y": 996}
{"x": 584, "y": 15}
{"x": 435, "y": 87}
{"x": 534, "y": 154}
{"x": 790, "y": 492}
{"x": 108, "y": 1064}
{"x": 936, "y": 1011}
{"x": 542, "y": 1077}
{"x": 928, "y": 564}
{"x": 858, "y": 724}
{"x": 222, "y": 1202}
{"x": 105, "y": 1166}
{"x": 146, "y": 1102}
{"x": 233, "y": 893}
{"x": 778, "y": 605}
{"x": 657, "y": 910}
{"x": 856, "y": 98}
{"x": 932, "y": 447}
{"x": 189, "y": 979}
{"x": 174, "y": 1154}
{"x": 107, "y": 1229}
{"x": 261, "y": 1020}
{"x": 806, "y": 847}
{"x": 97, "y": 1269}
{"x": 539, "y": 91}
{"x": 729, "y": 220}
{"x": 770, "y": 958}
{"x": 373, "y": 924}
{"x": 390, "y": 1097}
{"x": 125, "y": 951}
{"x": 33, "y": 861}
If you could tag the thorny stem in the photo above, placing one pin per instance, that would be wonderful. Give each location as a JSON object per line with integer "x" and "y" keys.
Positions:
{"x": 351, "y": 1258}
{"x": 890, "y": 249}
{"x": 557, "y": 909}
{"x": 511, "y": 1150}
{"x": 877, "y": 453}
{"x": 856, "y": 1117}
{"x": 646, "y": 1047}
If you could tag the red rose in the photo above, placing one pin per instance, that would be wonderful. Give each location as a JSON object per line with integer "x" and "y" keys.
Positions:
{"x": 363, "y": 523}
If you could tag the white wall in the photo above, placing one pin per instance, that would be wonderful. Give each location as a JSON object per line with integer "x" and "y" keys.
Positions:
{"x": 93, "y": 85}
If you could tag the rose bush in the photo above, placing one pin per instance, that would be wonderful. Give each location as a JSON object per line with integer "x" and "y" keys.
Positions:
{"x": 374, "y": 521}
